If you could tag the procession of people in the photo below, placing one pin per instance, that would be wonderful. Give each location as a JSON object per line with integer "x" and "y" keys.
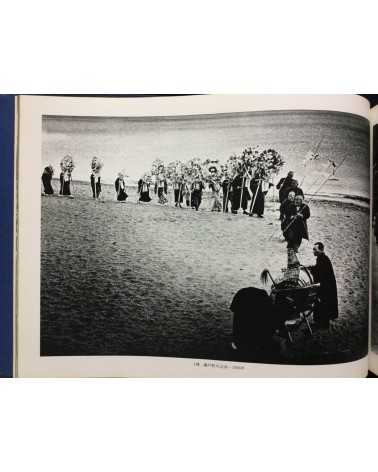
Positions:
{"x": 240, "y": 187}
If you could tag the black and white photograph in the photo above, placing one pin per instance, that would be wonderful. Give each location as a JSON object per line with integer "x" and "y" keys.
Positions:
{"x": 229, "y": 237}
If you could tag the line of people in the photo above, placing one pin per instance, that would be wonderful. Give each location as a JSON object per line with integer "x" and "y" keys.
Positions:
{"x": 239, "y": 192}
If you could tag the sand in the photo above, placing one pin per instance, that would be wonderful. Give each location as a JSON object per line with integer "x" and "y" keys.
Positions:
{"x": 142, "y": 279}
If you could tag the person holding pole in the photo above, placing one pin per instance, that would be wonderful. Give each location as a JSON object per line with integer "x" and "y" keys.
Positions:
{"x": 227, "y": 193}
{"x": 258, "y": 197}
{"x": 296, "y": 229}
{"x": 240, "y": 193}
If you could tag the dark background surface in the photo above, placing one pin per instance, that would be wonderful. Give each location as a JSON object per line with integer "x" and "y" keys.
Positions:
{"x": 373, "y": 98}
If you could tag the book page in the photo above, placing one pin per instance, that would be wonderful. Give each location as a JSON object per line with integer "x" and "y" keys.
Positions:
{"x": 193, "y": 236}
{"x": 373, "y": 354}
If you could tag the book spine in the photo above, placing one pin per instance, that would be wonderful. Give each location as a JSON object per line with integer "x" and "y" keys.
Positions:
{"x": 7, "y": 159}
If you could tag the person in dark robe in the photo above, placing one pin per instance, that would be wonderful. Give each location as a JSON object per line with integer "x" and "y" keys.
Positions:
{"x": 296, "y": 229}
{"x": 240, "y": 194}
{"x": 227, "y": 193}
{"x": 258, "y": 198}
{"x": 65, "y": 183}
{"x": 285, "y": 211}
{"x": 284, "y": 186}
{"x": 294, "y": 187}
{"x": 144, "y": 190}
{"x": 178, "y": 190}
{"x": 197, "y": 189}
{"x": 254, "y": 322}
{"x": 95, "y": 185}
{"x": 161, "y": 189}
{"x": 327, "y": 308}
{"x": 46, "y": 180}
{"x": 120, "y": 188}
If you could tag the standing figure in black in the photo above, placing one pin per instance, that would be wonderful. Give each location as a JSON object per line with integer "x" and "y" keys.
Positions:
{"x": 240, "y": 193}
{"x": 286, "y": 212}
{"x": 65, "y": 183}
{"x": 120, "y": 188}
{"x": 227, "y": 193}
{"x": 46, "y": 180}
{"x": 323, "y": 273}
{"x": 284, "y": 186}
{"x": 258, "y": 197}
{"x": 197, "y": 189}
{"x": 95, "y": 184}
{"x": 296, "y": 229}
{"x": 144, "y": 189}
{"x": 178, "y": 190}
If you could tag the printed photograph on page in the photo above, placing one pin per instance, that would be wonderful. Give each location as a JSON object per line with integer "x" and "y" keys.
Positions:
{"x": 236, "y": 236}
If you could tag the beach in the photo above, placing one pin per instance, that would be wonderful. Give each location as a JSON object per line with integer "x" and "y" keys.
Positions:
{"x": 151, "y": 280}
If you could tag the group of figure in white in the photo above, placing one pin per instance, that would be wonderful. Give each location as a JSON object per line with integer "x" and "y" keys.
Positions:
{"x": 241, "y": 184}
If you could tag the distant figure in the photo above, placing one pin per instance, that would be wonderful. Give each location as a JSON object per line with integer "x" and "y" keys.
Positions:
{"x": 178, "y": 190}
{"x": 240, "y": 194}
{"x": 95, "y": 184}
{"x": 323, "y": 274}
{"x": 161, "y": 189}
{"x": 227, "y": 193}
{"x": 254, "y": 321}
{"x": 296, "y": 229}
{"x": 215, "y": 188}
{"x": 284, "y": 186}
{"x": 197, "y": 188}
{"x": 65, "y": 183}
{"x": 144, "y": 190}
{"x": 258, "y": 198}
{"x": 46, "y": 180}
{"x": 120, "y": 188}
{"x": 295, "y": 188}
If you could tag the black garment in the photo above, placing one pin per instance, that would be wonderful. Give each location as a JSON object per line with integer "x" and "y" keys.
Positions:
{"x": 46, "y": 180}
{"x": 162, "y": 187}
{"x": 239, "y": 193}
{"x": 285, "y": 213}
{"x": 120, "y": 190}
{"x": 227, "y": 194}
{"x": 323, "y": 273}
{"x": 144, "y": 191}
{"x": 96, "y": 186}
{"x": 197, "y": 188}
{"x": 254, "y": 321}
{"x": 284, "y": 186}
{"x": 295, "y": 228}
{"x": 258, "y": 198}
{"x": 65, "y": 185}
{"x": 179, "y": 191}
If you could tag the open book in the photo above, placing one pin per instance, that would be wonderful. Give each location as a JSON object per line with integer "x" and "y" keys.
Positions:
{"x": 221, "y": 235}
